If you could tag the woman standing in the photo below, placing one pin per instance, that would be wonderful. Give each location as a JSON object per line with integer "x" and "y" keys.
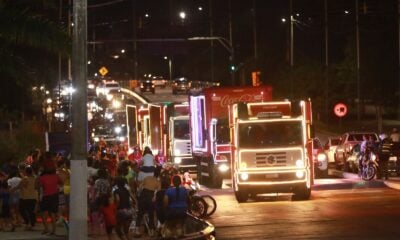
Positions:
{"x": 28, "y": 198}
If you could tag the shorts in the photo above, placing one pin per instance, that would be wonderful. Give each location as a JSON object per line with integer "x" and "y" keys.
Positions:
{"x": 49, "y": 203}
{"x": 125, "y": 214}
{"x": 14, "y": 199}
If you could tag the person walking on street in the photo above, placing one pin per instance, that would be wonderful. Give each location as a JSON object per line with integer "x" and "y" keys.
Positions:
{"x": 13, "y": 182}
{"x": 145, "y": 203}
{"x": 28, "y": 198}
{"x": 49, "y": 181}
{"x": 108, "y": 210}
{"x": 123, "y": 200}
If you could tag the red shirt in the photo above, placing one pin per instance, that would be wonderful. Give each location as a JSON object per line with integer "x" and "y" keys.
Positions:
{"x": 109, "y": 214}
{"x": 49, "y": 183}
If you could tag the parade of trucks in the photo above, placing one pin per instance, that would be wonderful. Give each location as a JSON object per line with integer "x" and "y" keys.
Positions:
{"x": 232, "y": 132}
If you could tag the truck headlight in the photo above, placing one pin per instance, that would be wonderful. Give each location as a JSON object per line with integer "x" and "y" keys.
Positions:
{"x": 178, "y": 160}
{"x": 299, "y": 174}
{"x": 299, "y": 163}
{"x": 244, "y": 176}
{"x": 223, "y": 168}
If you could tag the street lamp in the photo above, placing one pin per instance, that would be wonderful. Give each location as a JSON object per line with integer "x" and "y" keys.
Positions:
{"x": 169, "y": 67}
{"x": 182, "y": 15}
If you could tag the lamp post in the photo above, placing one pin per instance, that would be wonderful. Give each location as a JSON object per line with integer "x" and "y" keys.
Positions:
{"x": 169, "y": 67}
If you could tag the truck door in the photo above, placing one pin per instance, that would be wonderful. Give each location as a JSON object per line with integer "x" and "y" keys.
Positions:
{"x": 132, "y": 125}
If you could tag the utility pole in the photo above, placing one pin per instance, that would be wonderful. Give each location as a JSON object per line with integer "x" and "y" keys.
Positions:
{"x": 210, "y": 16}
{"x": 398, "y": 19}
{"x": 326, "y": 60}
{"x": 358, "y": 65}
{"x": 78, "y": 208}
{"x": 232, "y": 57}
{"x": 59, "y": 55}
{"x": 291, "y": 48}
{"x": 255, "y": 30}
{"x": 135, "y": 62}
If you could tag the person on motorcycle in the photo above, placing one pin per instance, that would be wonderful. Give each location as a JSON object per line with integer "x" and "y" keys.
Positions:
{"x": 384, "y": 151}
{"x": 363, "y": 148}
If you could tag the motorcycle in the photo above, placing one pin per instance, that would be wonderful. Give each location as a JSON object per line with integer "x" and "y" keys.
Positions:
{"x": 369, "y": 164}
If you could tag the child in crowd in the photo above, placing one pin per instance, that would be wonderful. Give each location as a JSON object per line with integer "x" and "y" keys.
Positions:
{"x": 108, "y": 210}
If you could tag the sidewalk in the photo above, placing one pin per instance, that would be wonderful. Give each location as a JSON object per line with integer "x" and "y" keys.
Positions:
{"x": 392, "y": 182}
{"x": 61, "y": 233}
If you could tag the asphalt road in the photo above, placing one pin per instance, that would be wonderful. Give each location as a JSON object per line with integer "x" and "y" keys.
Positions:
{"x": 338, "y": 209}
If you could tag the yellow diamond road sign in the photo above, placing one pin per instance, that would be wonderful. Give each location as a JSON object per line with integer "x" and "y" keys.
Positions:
{"x": 103, "y": 71}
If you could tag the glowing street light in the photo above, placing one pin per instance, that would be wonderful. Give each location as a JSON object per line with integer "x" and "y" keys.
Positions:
{"x": 182, "y": 15}
{"x": 146, "y": 15}
{"x": 122, "y": 50}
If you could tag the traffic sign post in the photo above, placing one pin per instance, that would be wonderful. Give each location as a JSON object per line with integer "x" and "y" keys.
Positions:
{"x": 103, "y": 71}
{"x": 340, "y": 111}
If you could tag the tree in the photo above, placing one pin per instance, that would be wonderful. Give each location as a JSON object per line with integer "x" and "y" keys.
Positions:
{"x": 29, "y": 45}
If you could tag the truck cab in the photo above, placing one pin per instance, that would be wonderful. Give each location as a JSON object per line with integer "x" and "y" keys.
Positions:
{"x": 271, "y": 149}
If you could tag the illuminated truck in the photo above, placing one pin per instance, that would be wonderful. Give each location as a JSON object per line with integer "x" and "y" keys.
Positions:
{"x": 145, "y": 124}
{"x": 272, "y": 148}
{"x": 210, "y": 134}
{"x": 179, "y": 145}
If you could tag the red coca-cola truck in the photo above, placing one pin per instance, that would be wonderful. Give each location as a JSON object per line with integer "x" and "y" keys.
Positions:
{"x": 210, "y": 129}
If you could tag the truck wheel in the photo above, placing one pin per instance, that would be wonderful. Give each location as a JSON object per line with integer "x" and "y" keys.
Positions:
{"x": 217, "y": 181}
{"x": 301, "y": 193}
{"x": 241, "y": 196}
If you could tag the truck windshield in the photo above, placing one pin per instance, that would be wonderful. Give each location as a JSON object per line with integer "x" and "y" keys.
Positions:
{"x": 270, "y": 134}
{"x": 181, "y": 129}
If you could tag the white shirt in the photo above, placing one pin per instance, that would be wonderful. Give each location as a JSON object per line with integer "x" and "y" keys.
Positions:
{"x": 395, "y": 137}
{"x": 13, "y": 182}
{"x": 148, "y": 160}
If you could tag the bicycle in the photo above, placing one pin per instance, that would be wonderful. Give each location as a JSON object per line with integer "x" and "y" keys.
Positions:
{"x": 201, "y": 206}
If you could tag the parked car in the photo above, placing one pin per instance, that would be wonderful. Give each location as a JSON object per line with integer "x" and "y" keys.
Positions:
{"x": 180, "y": 85}
{"x": 147, "y": 86}
{"x": 320, "y": 159}
{"x": 330, "y": 148}
{"x": 347, "y": 142}
{"x": 159, "y": 82}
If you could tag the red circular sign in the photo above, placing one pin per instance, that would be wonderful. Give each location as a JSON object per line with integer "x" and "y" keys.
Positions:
{"x": 340, "y": 110}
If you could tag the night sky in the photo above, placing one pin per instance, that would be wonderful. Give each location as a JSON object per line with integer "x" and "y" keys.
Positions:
{"x": 115, "y": 22}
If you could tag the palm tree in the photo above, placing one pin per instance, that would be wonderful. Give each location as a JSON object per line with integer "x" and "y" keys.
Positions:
{"x": 29, "y": 45}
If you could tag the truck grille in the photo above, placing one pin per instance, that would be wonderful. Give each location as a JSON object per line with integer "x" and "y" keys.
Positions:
{"x": 271, "y": 158}
{"x": 184, "y": 147}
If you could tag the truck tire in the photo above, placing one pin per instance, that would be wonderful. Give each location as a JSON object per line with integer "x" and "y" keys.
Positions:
{"x": 216, "y": 181}
{"x": 301, "y": 193}
{"x": 241, "y": 196}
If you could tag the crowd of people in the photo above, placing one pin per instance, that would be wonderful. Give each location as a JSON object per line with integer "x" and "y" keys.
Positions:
{"x": 122, "y": 188}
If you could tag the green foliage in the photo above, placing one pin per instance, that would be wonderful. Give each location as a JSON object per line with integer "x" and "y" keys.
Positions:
{"x": 17, "y": 143}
